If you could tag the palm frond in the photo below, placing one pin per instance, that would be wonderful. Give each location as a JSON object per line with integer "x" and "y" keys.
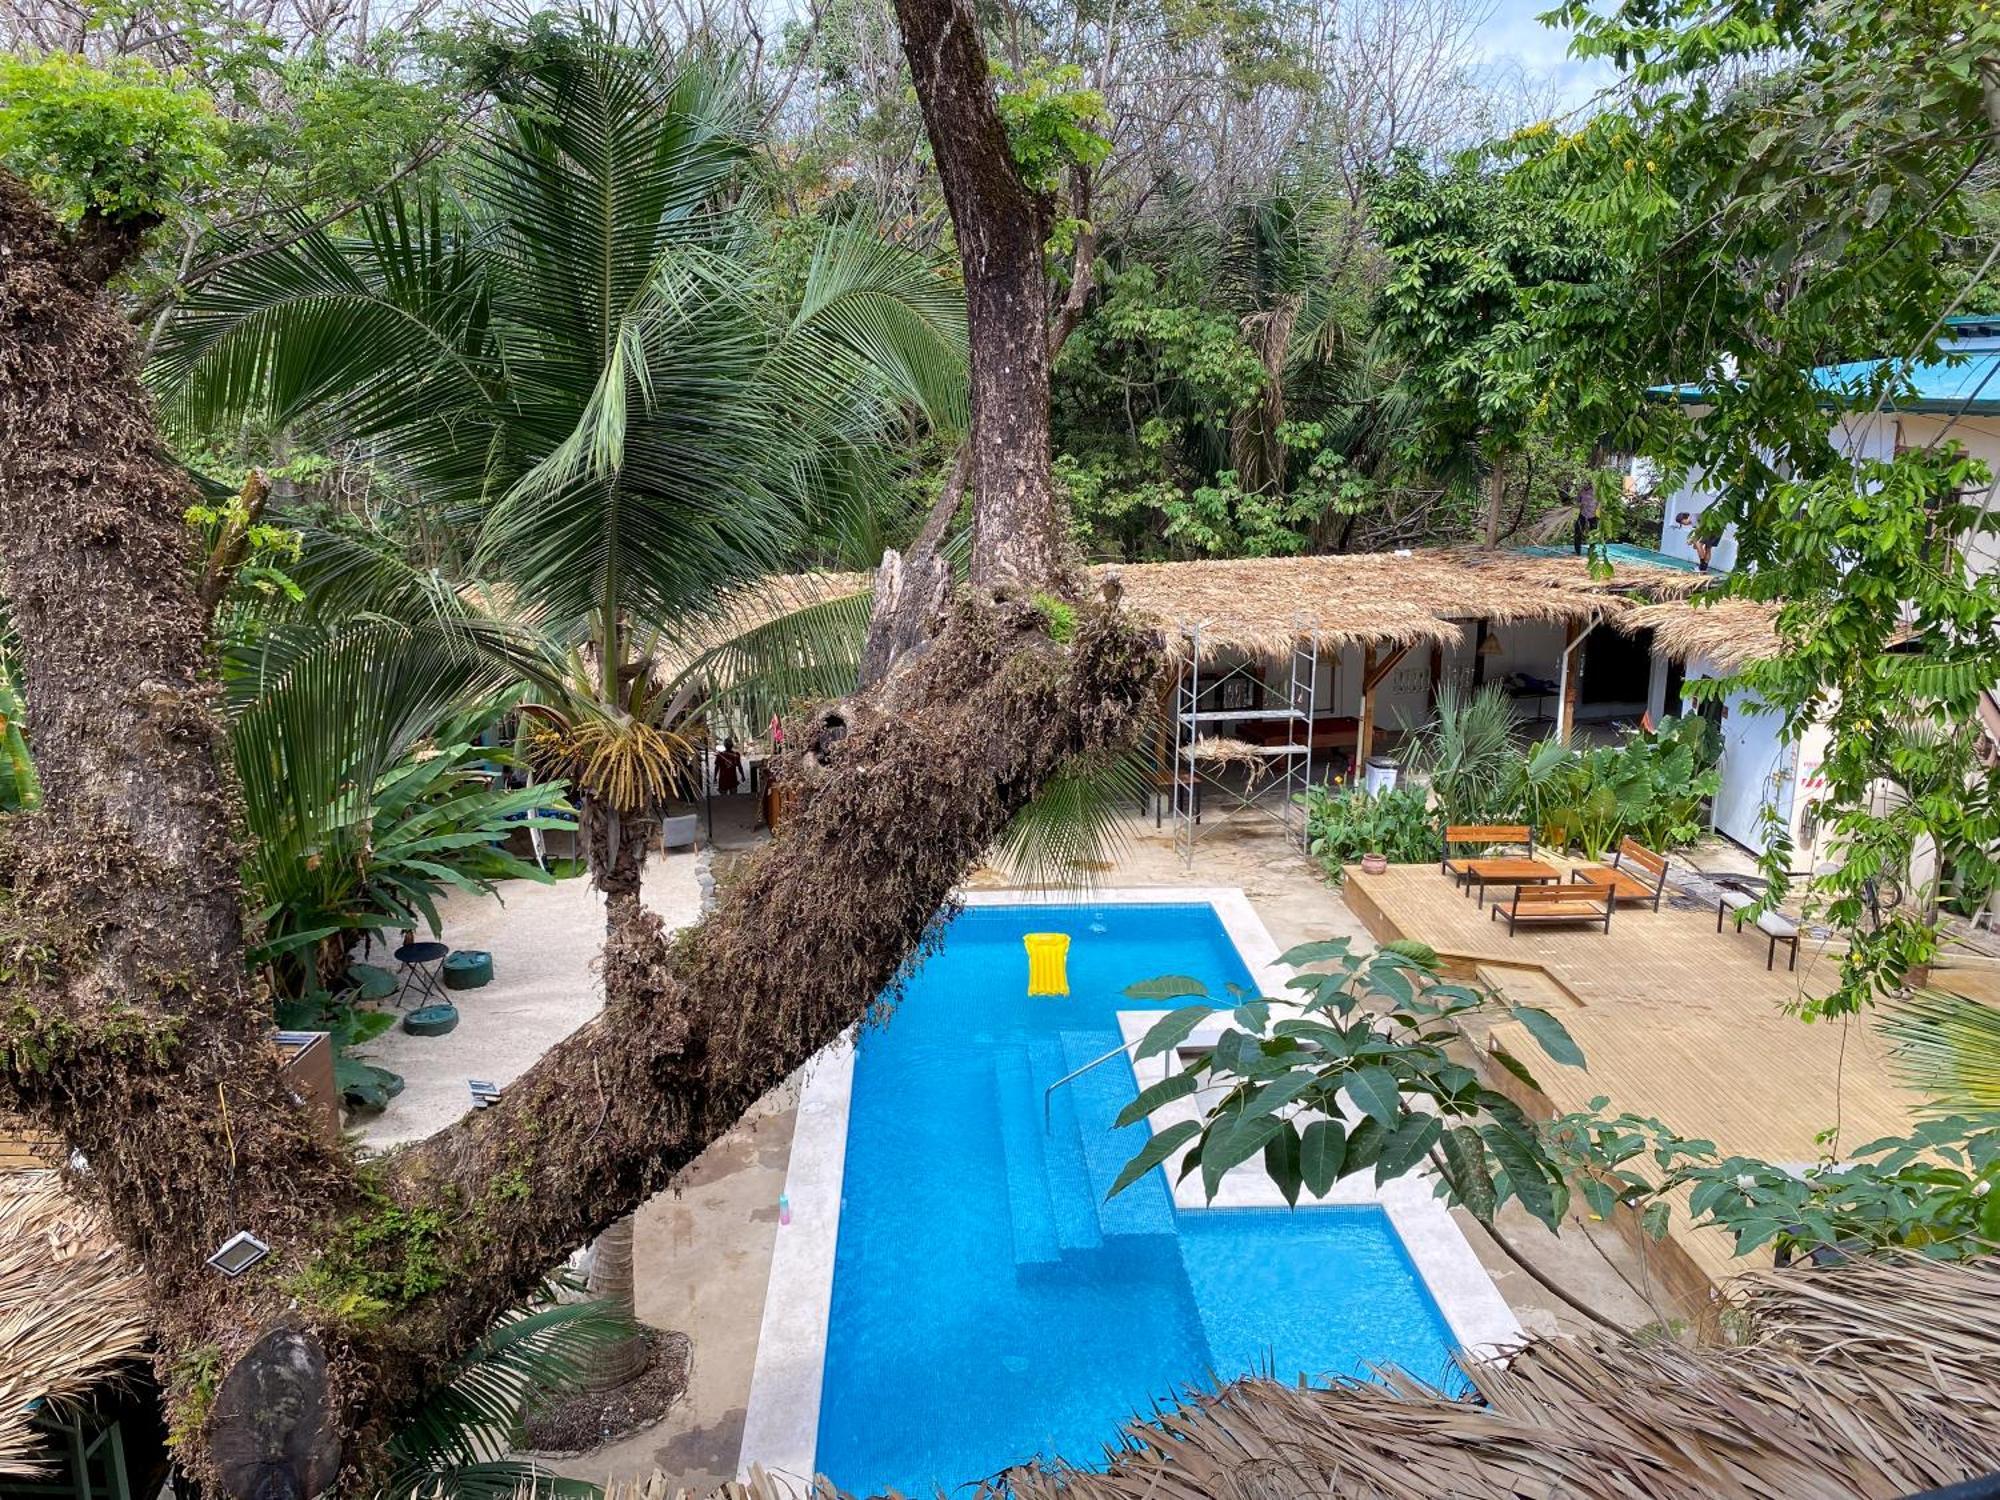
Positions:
{"x": 1071, "y": 831}
{"x": 1947, "y": 1047}
{"x": 458, "y": 1440}
{"x": 813, "y": 651}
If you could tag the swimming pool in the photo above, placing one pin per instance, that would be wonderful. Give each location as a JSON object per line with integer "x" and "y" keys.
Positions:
{"x": 987, "y": 1304}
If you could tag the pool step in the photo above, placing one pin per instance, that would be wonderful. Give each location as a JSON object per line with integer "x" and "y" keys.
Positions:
{"x": 1063, "y": 1165}
{"x": 1097, "y": 1097}
{"x": 1029, "y": 1210}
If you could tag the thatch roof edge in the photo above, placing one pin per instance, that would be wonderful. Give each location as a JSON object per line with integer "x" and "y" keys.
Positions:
{"x": 72, "y": 1308}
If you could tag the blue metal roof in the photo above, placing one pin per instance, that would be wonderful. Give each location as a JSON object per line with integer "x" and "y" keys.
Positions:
{"x": 1622, "y": 552}
{"x": 1965, "y": 379}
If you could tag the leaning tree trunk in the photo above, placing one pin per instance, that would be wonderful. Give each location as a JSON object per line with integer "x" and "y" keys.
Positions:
{"x": 126, "y": 1022}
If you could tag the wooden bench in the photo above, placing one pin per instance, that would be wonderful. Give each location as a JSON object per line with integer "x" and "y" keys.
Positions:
{"x": 1635, "y": 872}
{"x": 1775, "y": 925}
{"x": 1481, "y": 834}
{"x": 1583, "y": 901}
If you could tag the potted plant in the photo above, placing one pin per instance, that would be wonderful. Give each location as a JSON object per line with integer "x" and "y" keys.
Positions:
{"x": 1373, "y": 863}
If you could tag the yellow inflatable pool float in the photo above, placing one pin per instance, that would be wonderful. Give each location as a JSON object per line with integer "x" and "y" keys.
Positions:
{"x": 1048, "y": 962}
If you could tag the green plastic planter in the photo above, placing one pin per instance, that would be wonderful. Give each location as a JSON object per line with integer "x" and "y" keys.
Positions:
{"x": 431, "y": 1020}
{"x": 468, "y": 969}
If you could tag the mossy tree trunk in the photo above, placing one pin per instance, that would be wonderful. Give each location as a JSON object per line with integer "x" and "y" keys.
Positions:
{"x": 126, "y": 1020}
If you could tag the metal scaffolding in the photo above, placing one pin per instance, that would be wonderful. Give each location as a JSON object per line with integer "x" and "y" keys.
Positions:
{"x": 1273, "y": 790}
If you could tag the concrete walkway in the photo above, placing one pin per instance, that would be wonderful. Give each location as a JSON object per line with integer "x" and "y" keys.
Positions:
{"x": 545, "y": 940}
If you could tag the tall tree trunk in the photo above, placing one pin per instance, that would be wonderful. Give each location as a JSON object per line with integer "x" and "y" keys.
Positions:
{"x": 613, "y": 1279}
{"x": 1018, "y": 538}
{"x": 126, "y": 1022}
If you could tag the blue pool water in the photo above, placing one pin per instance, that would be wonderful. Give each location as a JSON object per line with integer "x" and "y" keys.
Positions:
{"x": 988, "y": 1304}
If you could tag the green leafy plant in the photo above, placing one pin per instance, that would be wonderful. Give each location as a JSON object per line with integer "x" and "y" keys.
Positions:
{"x": 364, "y": 791}
{"x": 459, "y": 1441}
{"x": 20, "y": 787}
{"x": 122, "y": 143}
{"x": 1935, "y": 1191}
{"x": 1355, "y": 1070}
{"x": 1344, "y": 823}
{"x": 1652, "y": 787}
{"x": 1467, "y": 751}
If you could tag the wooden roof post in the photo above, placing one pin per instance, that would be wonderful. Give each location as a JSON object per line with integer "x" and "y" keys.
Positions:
{"x": 1364, "y": 739}
{"x": 1572, "y": 677}
{"x": 1373, "y": 674}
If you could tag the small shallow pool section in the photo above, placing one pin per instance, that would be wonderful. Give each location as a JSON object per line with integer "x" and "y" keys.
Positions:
{"x": 988, "y": 1304}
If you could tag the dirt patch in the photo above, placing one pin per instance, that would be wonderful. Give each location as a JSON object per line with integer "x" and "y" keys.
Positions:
{"x": 577, "y": 1424}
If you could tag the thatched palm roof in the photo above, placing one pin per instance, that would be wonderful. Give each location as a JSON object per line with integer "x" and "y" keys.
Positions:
{"x": 1728, "y": 633}
{"x": 72, "y": 1308}
{"x": 1869, "y": 1380}
{"x": 1263, "y": 605}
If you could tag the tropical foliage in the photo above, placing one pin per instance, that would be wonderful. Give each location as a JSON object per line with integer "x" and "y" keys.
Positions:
{"x": 1468, "y": 754}
{"x": 1783, "y": 186}
{"x": 635, "y": 397}
{"x": 462, "y": 1440}
{"x": 1652, "y": 786}
{"x": 1344, "y": 823}
{"x": 1382, "y": 1031}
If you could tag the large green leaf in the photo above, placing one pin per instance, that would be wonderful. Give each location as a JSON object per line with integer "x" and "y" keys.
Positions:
{"x": 1550, "y": 1033}
{"x": 1171, "y": 1030}
{"x": 1156, "y": 1150}
{"x": 1375, "y": 1090}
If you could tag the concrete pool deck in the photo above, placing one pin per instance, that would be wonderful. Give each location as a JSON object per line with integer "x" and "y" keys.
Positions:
{"x": 705, "y": 1250}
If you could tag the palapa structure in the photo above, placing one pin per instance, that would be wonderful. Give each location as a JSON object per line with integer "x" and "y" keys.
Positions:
{"x": 72, "y": 1310}
{"x": 1871, "y": 1380}
{"x": 1389, "y": 603}
{"x": 1389, "y": 600}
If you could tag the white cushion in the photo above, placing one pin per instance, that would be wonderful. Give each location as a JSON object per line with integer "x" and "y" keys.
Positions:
{"x": 1735, "y": 900}
{"x": 1777, "y": 924}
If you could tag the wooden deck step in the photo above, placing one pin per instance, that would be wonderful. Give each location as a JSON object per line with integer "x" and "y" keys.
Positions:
{"x": 1525, "y": 986}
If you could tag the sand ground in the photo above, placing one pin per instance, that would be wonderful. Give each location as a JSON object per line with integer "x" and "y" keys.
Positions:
{"x": 545, "y": 940}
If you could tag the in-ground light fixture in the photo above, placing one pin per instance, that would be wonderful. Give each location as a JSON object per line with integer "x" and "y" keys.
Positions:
{"x": 239, "y": 1253}
{"x": 484, "y": 1092}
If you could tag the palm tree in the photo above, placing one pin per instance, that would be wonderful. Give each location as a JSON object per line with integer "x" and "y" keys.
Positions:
{"x": 601, "y": 361}
{"x": 598, "y": 357}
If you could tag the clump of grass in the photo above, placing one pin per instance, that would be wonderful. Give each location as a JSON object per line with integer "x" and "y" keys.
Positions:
{"x": 1060, "y": 614}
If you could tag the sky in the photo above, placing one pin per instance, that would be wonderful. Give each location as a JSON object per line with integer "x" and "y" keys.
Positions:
{"x": 1512, "y": 37}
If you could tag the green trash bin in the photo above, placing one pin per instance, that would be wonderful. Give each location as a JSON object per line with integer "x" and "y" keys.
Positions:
{"x": 468, "y": 969}
{"x": 431, "y": 1020}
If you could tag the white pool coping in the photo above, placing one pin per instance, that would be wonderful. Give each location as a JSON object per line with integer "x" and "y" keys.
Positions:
{"x": 781, "y": 1423}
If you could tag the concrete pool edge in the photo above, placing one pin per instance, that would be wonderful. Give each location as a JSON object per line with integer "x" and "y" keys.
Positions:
{"x": 781, "y": 1422}
{"x": 786, "y": 1378}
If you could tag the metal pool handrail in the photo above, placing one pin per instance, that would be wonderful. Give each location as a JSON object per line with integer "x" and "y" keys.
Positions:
{"x": 1049, "y": 1093}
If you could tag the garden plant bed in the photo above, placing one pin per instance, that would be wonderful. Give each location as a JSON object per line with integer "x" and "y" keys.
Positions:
{"x": 588, "y": 1420}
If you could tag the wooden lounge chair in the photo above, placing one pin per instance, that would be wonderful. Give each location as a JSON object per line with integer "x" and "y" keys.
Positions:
{"x": 1481, "y": 834}
{"x": 1583, "y": 901}
{"x": 1636, "y": 872}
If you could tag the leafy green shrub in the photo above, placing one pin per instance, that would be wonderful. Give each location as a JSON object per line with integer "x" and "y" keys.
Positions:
{"x": 1467, "y": 751}
{"x": 1343, "y": 825}
{"x": 1651, "y": 788}
{"x": 122, "y": 143}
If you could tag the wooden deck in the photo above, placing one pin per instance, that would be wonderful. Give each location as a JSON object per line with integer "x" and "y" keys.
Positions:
{"x": 1675, "y": 1021}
